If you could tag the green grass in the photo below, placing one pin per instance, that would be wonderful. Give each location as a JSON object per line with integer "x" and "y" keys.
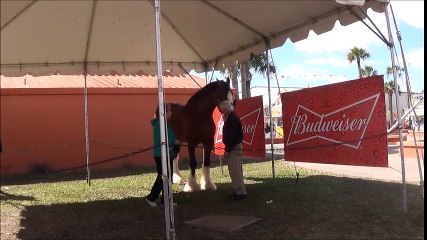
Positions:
{"x": 318, "y": 206}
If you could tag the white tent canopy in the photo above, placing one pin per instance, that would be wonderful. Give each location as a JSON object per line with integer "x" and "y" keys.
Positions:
{"x": 97, "y": 37}
{"x": 41, "y": 37}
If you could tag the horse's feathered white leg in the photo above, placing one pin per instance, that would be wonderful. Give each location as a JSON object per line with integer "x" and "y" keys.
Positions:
{"x": 177, "y": 177}
{"x": 191, "y": 184}
{"x": 205, "y": 179}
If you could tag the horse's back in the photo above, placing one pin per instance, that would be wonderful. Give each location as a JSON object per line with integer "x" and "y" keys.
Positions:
{"x": 178, "y": 121}
{"x": 191, "y": 126}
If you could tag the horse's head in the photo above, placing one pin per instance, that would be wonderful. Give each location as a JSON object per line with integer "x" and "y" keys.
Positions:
{"x": 210, "y": 96}
{"x": 223, "y": 91}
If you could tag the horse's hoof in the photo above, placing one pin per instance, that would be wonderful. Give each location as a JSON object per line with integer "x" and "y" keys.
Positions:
{"x": 191, "y": 184}
{"x": 205, "y": 180}
{"x": 177, "y": 179}
{"x": 209, "y": 186}
{"x": 188, "y": 188}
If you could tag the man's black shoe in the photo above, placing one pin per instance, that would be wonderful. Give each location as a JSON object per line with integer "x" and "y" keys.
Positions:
{"x": 239, "y": 197}
{"x": 232, "y": 196}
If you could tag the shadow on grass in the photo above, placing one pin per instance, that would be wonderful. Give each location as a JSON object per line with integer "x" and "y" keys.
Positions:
{"x": 318, "y": 207}
{"x": 33, "y": 178}
{"x": 46, "y": 177}
{"x": 43, "y": 176}
{"x": 8, "y": 196}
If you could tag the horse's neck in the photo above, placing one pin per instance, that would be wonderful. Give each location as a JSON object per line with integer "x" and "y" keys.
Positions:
{"x": 201, "y": 109}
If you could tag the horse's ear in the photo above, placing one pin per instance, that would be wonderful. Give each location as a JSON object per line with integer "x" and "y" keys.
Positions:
{"x": 217, "y": 79}
{"x": 228, "y": 81}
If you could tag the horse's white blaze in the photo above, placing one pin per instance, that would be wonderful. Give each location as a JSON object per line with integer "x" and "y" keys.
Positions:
{"x": 230, "y": 96}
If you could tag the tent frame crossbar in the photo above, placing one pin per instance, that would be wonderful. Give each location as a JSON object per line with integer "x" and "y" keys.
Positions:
{"x": 411, "y": 106}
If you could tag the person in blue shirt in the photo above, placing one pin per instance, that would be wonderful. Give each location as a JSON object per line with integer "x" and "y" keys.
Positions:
{"x": 174, "y": 148}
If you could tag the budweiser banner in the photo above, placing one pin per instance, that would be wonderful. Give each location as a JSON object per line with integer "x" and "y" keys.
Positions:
{"x": 250, "y": 112}
{"x": 343, "y": 123}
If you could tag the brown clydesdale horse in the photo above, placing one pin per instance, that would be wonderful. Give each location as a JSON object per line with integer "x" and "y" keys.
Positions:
{"x": 193, "y": 124}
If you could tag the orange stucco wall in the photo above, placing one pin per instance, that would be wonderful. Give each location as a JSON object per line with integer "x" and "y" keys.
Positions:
{"x": 44, "y": 128}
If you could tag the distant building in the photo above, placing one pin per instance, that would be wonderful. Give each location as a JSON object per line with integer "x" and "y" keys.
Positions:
{"x": 43, "y": 119}
{"x": 403, "y": 101}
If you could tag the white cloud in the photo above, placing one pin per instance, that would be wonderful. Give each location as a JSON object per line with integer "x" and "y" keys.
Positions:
{"x": 306, "y": 76}
{"x": 258, "y": 91}
{"x": 319, "y": 55}
{"x": 343, "y": 38}
{"x": 415, "y": 58}
{"x": 298, "y": 76}
{"x": 328, "y": 60}
{"x": 300, "y": 71}
{"x": 410, "y": 12}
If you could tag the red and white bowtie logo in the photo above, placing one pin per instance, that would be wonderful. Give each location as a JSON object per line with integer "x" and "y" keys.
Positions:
{"x": 220, "y": 125}
{"x": 346, "y": 126}
{"x": 249, "y": 123}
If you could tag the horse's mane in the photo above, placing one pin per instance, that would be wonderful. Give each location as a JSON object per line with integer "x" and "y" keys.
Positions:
{"x": 212, "y": 86}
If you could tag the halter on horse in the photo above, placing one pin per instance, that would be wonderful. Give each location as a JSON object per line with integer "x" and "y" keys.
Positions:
{"x": 193, "y": 124}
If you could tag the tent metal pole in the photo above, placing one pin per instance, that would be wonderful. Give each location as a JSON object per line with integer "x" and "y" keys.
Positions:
{"x": 400, "y": 125}
{"x": 169, "y": 219}
{"x": 405, "y": 115}
{"x": 206, "y": 76}
{"x": 267, "y": 47}
{"x": 89, "y": 36}
{"x": 410, "y": 101}
{"x": 86, "y": 126}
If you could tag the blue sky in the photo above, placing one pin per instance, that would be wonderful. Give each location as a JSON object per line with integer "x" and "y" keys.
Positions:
{"x": 322, "y": 59}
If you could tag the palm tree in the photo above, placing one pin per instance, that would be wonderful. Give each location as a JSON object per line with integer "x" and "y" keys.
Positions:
{"x": 256, "y": 62}
{"x": 369, "y": 71}
{"x": 245, "y": 79}
{"x": 389, "y": 88}
{"x": 358, "y": 54}
{"x": 232, "y": 71}
{"x": 399, "y": 71}
{"x": 259, "y": 64}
